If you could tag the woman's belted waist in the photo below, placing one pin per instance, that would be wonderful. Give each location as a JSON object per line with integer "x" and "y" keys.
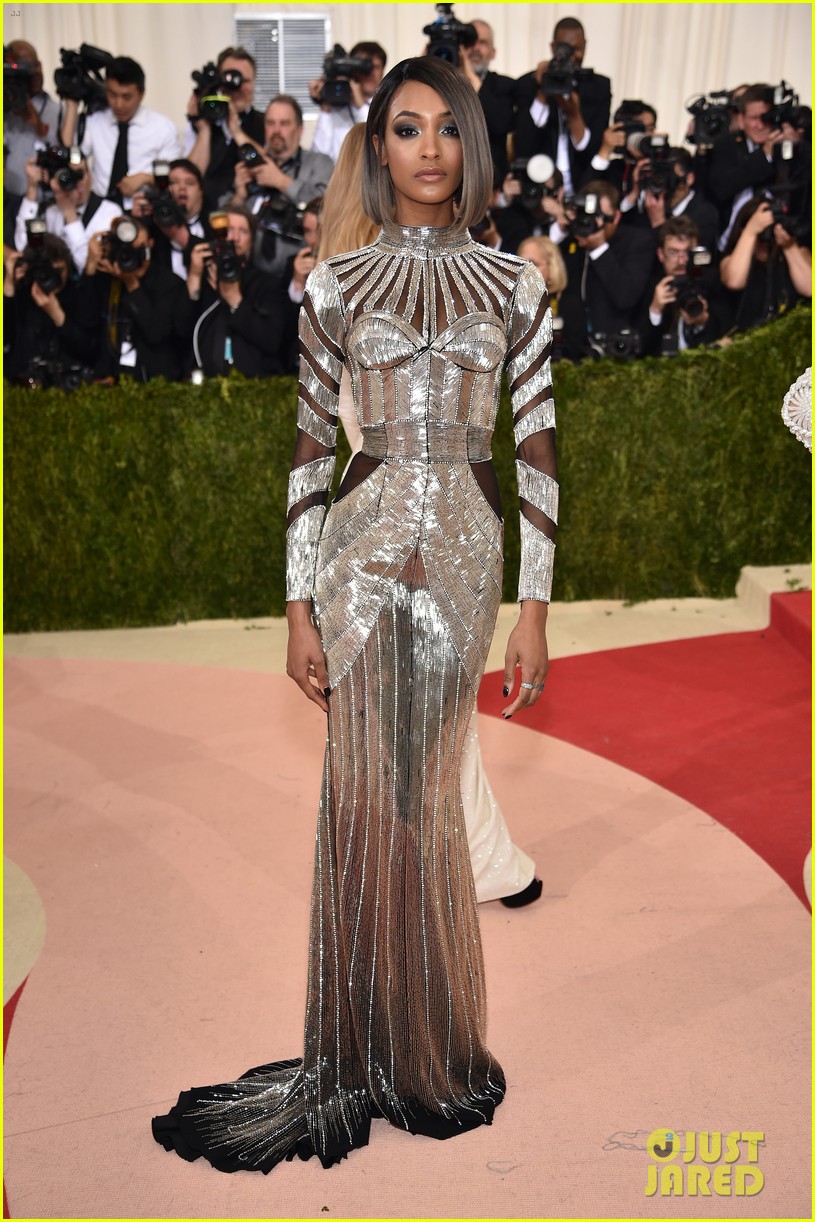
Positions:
{"x": 426, "y": 441}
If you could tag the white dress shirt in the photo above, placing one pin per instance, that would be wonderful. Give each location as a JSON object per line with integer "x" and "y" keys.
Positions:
{"x": 334, "y": 125}
{"x": 74, "y": 234}
{"x": 540, "y": 116}
{"x": 150, "y": 137}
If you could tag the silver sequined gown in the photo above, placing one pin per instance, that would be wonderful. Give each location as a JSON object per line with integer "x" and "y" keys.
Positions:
{"x": 405, "y": 575}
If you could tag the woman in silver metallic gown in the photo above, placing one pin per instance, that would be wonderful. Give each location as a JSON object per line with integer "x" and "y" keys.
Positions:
{"x": 392, "y": 599}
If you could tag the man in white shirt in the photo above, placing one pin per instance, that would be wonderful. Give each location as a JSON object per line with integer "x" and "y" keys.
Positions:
{"x": 568, "y": 127}
{"x": 76, "y": 215}
{"x": 124, "y": 139}
{"x": 335, "y": 122}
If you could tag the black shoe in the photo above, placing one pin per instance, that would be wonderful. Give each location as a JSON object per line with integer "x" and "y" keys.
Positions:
{"x": 527, "y": 896}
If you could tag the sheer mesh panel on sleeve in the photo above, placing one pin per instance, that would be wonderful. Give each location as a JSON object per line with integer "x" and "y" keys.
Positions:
{"x": 321, "y": 332}
{"x": 533, "y": 413}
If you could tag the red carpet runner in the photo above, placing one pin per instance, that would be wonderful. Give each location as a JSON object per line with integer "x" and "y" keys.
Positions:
{"x": 722, "y": 721}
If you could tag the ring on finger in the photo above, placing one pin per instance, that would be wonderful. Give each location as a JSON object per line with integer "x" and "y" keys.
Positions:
{"x": 534, "y": 687}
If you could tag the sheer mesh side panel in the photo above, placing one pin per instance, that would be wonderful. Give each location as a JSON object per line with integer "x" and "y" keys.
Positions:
{"x": 360, "y": 467}
{"x": 485, "y": 477}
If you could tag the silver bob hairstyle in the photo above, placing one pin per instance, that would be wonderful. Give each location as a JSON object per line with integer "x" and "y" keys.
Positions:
{"x": 473, "y": 196}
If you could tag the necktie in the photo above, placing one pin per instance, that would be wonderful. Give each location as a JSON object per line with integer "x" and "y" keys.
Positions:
{"x": 119, "y": 168}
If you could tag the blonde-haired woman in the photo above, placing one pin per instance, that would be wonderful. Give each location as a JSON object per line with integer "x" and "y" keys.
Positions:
{"x": 500, "y": 868}
{"x": 546, "y": 256}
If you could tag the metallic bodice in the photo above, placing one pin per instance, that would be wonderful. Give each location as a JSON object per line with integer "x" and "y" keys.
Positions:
{"x": 425, "y": 321}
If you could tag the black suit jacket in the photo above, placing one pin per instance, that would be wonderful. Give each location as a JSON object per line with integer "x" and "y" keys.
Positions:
{"x": 155, "y": 317}
{"x": 651, "y": 337}
{"x": 497, "y": 98}
{"x": 615, "y": 284}
{"x": 733, "y": 169}
{"x": 595, "y": 106}
{"x": 257, "y": 329}
{"x": 700, "y": 211}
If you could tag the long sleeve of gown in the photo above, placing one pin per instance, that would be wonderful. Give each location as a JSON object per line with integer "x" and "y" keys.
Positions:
{"x": 321, "y": 364}
{"x": 533, "y": 415}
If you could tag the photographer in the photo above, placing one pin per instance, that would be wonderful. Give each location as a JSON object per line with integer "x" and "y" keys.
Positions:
{"x": 763, "y": 265}
{"x": 242, "y": 319}
{"x": 76, "y": 213}
{"x": 174, "y": 214}
{"x": 742, "y": 164}
{"x": 496, "y": 94}
{"x": 140, "y": 307}
{"x": 686, "y": 306}
{"x": 665, "y": 188}
{"x": 335, "y": 121}
{"x": 279, "y": 184}
{"x": 124, "y": 139}
{"x": 533, "y": 208}
{"x": 608, "y": 268}
{"x": 618, "y": 154}
{"x": 210, "y": 142}
{"x": 563, "y": 109}
{"x": 29, "y": 113}
{"x": 42, "y": 324}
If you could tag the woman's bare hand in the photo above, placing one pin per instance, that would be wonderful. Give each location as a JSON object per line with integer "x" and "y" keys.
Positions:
{"x": 305, "y": 661}
{"x": 527, "y": 650}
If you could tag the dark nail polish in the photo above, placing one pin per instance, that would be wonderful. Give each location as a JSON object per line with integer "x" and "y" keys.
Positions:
{"x": 326, "y": 692}
{"x": 507, "y": 717}
{"x": 506, "y": 691}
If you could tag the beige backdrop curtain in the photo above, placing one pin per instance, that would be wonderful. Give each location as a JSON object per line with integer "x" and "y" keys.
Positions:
{"x": 662, "y": 53}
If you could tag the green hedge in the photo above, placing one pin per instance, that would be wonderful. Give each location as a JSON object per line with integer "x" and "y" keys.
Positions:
{"x": 149, "y": 504}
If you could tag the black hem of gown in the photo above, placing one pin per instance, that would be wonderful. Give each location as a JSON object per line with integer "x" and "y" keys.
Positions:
{"x": 176, "y": 1130}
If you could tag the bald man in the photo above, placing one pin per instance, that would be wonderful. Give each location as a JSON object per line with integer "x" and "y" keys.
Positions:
{"x": 496, "y": 94}
{"x": 36, "y": 118}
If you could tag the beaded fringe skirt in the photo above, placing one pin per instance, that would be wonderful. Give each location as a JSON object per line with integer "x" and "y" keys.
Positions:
{"x": 396, "y": 1011}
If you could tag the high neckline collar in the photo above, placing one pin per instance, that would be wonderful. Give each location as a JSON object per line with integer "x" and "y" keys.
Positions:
{"x": 423, "y": 239}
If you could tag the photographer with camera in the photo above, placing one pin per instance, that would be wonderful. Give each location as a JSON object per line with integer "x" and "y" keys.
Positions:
{"x": 532, "y": 194}
{"x": 221, "y": 105}
{"x": 140, "y": 307}
{"x": 173, "y": 209}
{"x": 44, "y": 335}
{"x": 563, "y": 108}
{"x": 344, "y": 93}
{"x": 125, "y": 138}
{"x": 619, "y": 149}
{"x": 764, "y": 266}
{"x": 496, "y": 94}
{"x": 243, "y": 320}
{"x": 29, "y": 113}
{"x": 663, "y": 186}
{"x": 76, "y": 213}
{"x": 608, "y": 268}
{"x": 686, "y": 306}
{"x": 744, "y": 163}
{"x": 277, "y": 183}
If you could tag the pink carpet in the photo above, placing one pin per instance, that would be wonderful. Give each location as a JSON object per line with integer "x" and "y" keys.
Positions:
{"x": 165, "y": 816}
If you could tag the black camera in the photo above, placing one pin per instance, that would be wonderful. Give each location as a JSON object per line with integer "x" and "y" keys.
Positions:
{"x": 533, "y": 173}
{"x": 18, "y": 81}
{"x": 659, "y": 176}
{"x": 338, "y": 70}
{"x": 282, "y": 216}
{"x": 711, "y": 114}
{"x": 695, "y": 282}
{"x": 117, "y": 245}
{"x": 785, "y": 108}
{"x": 212, "y": 89}
{"x": 248, "y": 154}
{"x": 43, "y": 374}
{"x": 563, "y": 76}
{"x": 226, "y": 260}
{"x": 37, "y": 262}
{"x": 623, "y": 344}
{"x": 63, "y": 164}
{"x": 80, "y": 77}
{"x": 585, "y": 217}
{"x": 447, "y": 35}
{"x": 167, "y": 214}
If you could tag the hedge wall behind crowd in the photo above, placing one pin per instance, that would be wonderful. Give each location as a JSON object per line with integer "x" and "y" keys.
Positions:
{"x": 149, "y": 504}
